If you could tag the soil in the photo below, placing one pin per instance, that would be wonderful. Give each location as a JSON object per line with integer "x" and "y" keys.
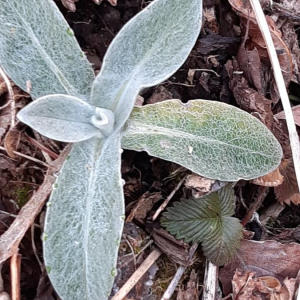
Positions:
{"x": 95, "y": 26}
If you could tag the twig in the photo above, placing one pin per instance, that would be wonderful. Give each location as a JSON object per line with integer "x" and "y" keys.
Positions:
{"x": 256, "y": 204}
{"x": 165, "y": 203}
{"x": 207, "y": 70}
{"x": 210, "y": 281}
{"x": 136, "y": 276}
{"x": 15, "y": 266}
{"x": 294, "y": 139}
{"x": 9, "y": 241}
{"x": 28, "y": 157}
{"x": 42, "y": 147}
{"x": 11, "y": 98}
{"x": 34, "y": 248}
{"x": 173, "y": 284}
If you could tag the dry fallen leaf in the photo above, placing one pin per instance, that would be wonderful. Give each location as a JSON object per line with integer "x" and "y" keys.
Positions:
{"x": 270, "y": 180}
{"x": 247, "y": 285}
{"x": 287, "y": 8}
{"x": 247, "y": 98}
{"x": 287, "y": 192}
{"x": 144, "y": 205}
{"x": 296, "y": 114}
{"x": 256, "y": 40}
{"x": 267, "y": 258}
{"x": 199, "y": 185}
{"x": 12, "y": 141}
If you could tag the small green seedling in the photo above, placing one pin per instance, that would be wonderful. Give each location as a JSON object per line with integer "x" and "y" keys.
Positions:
{"x": 85, "y": 213}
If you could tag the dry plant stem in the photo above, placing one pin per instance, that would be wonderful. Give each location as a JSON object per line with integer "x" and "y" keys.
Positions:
{"x": 294, "y": 139}
{"x": 45, "y": 153}
{"x": 11, "y": 98}
{"x": 210, "y": 281}
{"x": 28, "y": 157}
{"x": 165, "y": 203}
{"x": 15, "y": 271}
{"x": 9, "y": 241}
{"x": 136, "y": 276}
{"x": 256, "y": 204}
{"x": 173, "y": 284}
{"x": 42, "y": 147}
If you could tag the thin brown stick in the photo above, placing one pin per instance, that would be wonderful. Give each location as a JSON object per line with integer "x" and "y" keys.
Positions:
{"x": 15, "y": 271}
{"x": 136, "y": 276}
{"x": 10, "y": 240}
{"x": 42, "y": 147}
{"x": 11, "y": 98}
{"x": 262, "y": 190}
{"x": 294, "y": 139}
{"x": 28, "y": 157}
{"x": 165, "y": 203}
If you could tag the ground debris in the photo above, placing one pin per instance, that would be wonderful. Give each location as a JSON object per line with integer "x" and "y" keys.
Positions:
{"x": 288, "y": 191}
{"x": 247, "y": 286}
{"x": 267, "y": 258}
{"x": 192, "y": 289}
{"x": 176, "y": 250}
{"x": 144, "y": 205}
{"x": 199, "y": 185}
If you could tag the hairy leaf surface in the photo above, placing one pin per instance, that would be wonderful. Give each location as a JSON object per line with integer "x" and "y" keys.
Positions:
{"x": 148, "y": 50}
{"x": 61, "y": 117}
{"x": 84, "y": 221}
{"x": 213, "y": 139}
{"x": 37, "y": 45}
{"x": 207, "y": 220}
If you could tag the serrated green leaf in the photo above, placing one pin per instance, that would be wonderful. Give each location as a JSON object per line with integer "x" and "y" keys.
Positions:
{"x": 35, "y": 46}
{"x": 208, "y": 221}
{"x": 61, "y": 117}
{"x": 84, "y": 221}
{"x": 213, "y": 139}
{"x": 148, "y": 50}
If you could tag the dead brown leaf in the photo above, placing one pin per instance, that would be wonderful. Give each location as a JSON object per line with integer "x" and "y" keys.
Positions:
{"x": 267, "y": 258}
{"x": 160, "y": 94}
{"x": 270, "y": 180}
{"x": 296, "y": 114}
{"x": 287, "y": 8}
{"x": 290, "y": 38}
{"x": 256, "y": 40}
{"x": 12, "y": 141}
{"x": 247, "y": 285}
{"x": 247, "y": 98}
{"x": 288, "y": 191}
{"x": 144, "y": 205}
{"x": 199, "y": 185}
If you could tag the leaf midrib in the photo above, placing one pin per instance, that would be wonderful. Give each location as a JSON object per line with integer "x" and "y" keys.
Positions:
{"x": 158, "y": 130}
{"x": 48, "y": 60}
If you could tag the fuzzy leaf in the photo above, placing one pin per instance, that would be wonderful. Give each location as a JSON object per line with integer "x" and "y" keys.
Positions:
{"x": 37, "y": 44}
{"x": 148, "y": 50}
{"x": 213, "y": 139}
{"x": 207, "y": 220}
{"x": 84, "y": 221}
{"x": 61, "y": 117}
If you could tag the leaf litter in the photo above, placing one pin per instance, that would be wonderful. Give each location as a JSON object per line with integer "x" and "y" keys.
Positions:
{"x": 240, "y": 74}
